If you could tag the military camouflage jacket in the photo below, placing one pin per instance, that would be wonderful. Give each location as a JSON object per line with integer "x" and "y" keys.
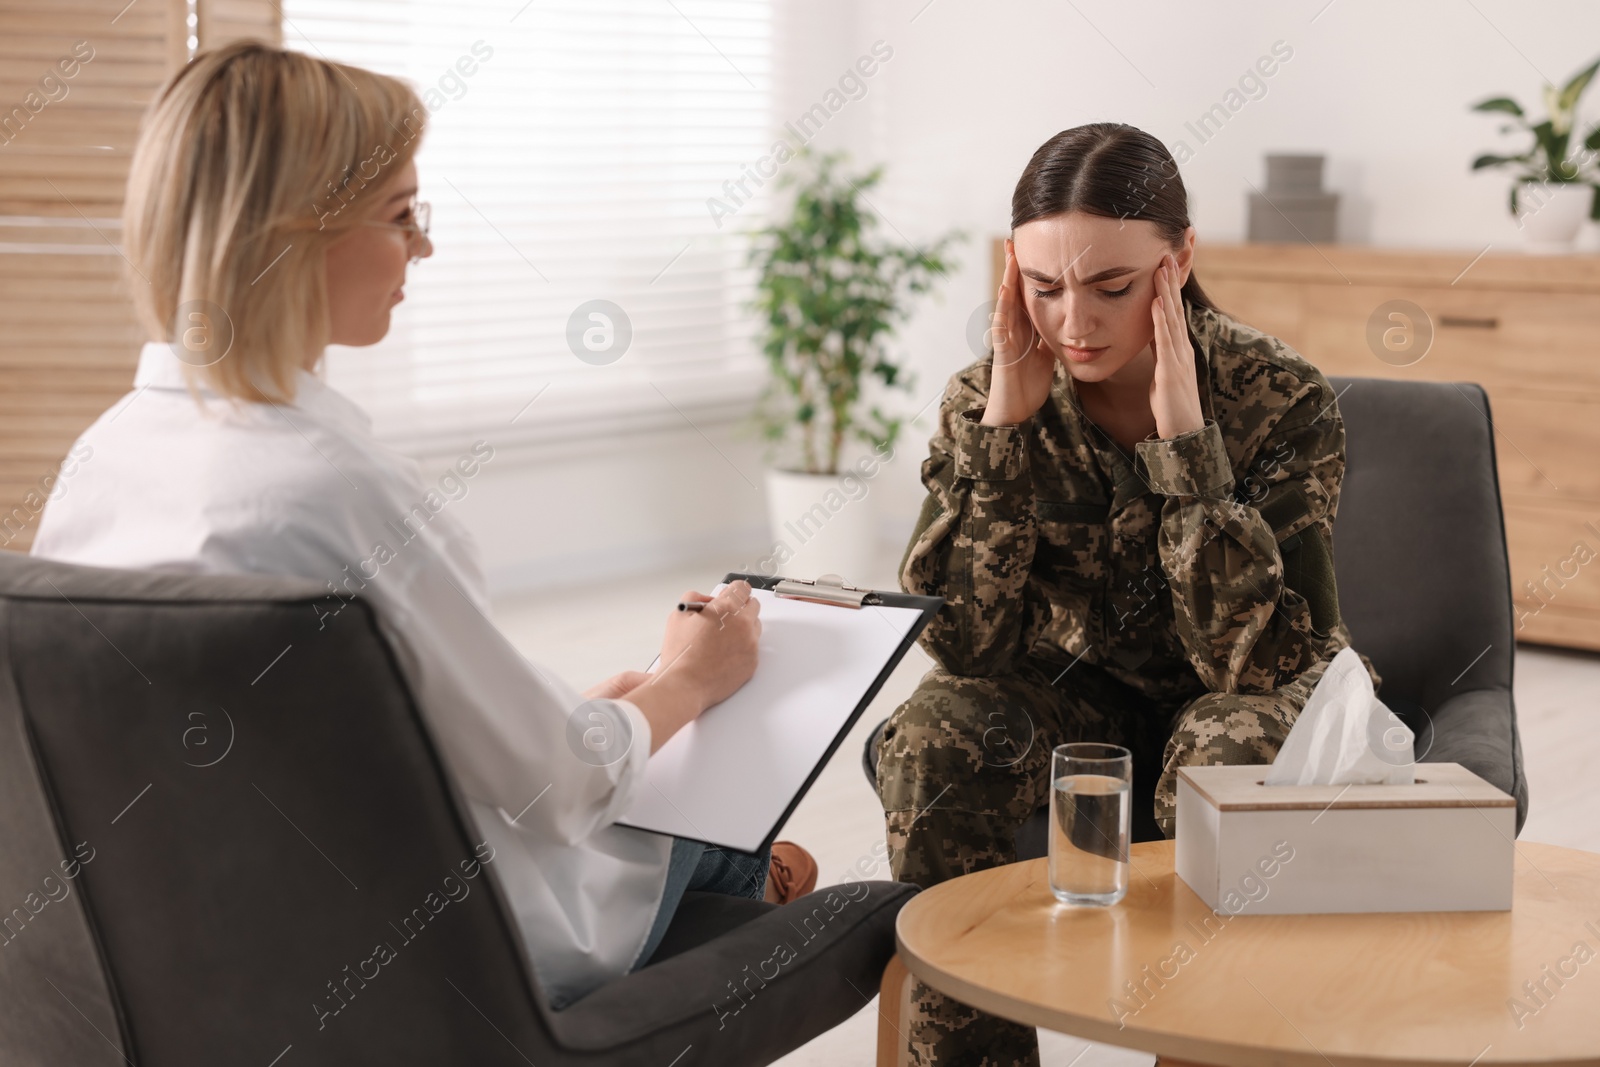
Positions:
{"x": 1200, "y": 563}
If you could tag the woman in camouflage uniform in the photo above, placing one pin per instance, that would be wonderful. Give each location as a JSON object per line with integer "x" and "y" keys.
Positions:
{"x": 1129, "y": 514}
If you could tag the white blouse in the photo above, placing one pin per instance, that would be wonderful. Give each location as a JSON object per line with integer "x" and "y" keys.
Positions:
{"x": 305, "y": 490}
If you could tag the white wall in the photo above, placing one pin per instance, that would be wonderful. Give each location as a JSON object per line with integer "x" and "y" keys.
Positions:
{"x": 1383, "y": 89}
{"x": 619, "y": 507}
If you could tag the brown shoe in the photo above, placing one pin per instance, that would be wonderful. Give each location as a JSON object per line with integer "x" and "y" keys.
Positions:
{"x": 793, "y": 873}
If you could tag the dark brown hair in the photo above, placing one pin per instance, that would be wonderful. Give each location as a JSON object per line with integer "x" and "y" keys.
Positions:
{"x": 1110, "y": 169}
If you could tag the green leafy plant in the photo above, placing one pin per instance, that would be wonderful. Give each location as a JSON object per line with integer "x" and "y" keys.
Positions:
{"x": 830, "y": 295}
{"x": 1546, "y": 159}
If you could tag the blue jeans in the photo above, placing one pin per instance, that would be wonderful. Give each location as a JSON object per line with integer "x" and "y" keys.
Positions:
{"x": 708, "y": 869}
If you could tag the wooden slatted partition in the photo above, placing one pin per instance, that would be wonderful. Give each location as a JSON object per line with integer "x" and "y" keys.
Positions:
{"x": 75, "y": 77}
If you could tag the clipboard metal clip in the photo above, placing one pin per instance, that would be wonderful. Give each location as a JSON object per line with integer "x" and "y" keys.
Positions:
{"x": 825, "y": 589}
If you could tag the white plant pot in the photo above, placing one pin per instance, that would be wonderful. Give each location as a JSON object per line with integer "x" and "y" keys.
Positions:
{"x": 1552, "y": 214}
{"x": 823, "y": 524}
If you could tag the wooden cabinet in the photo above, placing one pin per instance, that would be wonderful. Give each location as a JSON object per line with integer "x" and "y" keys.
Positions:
{"x": 1527, "y": 328}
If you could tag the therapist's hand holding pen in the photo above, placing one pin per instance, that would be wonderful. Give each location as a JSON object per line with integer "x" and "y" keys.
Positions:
{"x": 708, "y": 652}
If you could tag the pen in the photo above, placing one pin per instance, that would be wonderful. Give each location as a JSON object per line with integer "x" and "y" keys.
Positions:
{"x": 684, "y": 605}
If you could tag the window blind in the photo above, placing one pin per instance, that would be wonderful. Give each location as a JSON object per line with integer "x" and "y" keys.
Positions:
{"x": 571, "y": 151}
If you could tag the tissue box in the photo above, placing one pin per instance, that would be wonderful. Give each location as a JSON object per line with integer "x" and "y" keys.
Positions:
{"x": 1443, "y": 843}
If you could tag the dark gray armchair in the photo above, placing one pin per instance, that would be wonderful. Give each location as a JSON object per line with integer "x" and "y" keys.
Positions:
{"x": 1424, "y": 584}
{"x": 213, "y": 812}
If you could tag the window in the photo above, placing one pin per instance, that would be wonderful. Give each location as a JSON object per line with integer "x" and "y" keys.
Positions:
{"x": 572, "y": 149}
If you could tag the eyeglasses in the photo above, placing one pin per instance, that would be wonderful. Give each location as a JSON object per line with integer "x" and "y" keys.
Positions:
{"x": 414, "y": 225}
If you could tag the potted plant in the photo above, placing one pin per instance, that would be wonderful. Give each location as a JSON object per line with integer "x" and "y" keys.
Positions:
{"x": 830, "y": 294}
{"x": 1553, "y": 192}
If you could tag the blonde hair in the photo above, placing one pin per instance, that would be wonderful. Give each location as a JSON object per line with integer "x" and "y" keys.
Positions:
{"x": 250, "y": 162}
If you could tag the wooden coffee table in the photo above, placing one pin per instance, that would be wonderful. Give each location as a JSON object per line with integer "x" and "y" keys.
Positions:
{"x": 1163, "y": 973}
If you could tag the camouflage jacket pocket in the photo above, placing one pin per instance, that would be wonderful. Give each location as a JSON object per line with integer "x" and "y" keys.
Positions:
{"x": 1074, "y": 543}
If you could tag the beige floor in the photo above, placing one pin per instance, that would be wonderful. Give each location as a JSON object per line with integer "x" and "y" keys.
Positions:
{"x": 588, "y": 634}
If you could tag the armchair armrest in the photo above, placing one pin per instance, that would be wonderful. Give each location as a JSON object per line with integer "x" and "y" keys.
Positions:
{"x": 1478, "y": 729}
{"x": 754, "y": 993}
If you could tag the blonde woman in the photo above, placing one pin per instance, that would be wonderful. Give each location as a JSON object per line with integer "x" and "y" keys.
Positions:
{"x": 271, "y": 211}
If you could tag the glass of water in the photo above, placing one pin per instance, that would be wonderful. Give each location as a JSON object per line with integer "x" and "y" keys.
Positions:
{"x": 1091, "y": 788}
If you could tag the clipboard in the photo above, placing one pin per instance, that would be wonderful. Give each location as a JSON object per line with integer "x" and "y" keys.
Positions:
{"x": 687, "y": 781}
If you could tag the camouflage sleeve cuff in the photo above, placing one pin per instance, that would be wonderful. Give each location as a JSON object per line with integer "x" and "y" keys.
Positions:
{"x": 989, "y": 453}
{"x": 1191, "y": 464}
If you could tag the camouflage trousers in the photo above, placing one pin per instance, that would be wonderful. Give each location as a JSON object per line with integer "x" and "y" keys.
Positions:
{"x": 965, "y": 761}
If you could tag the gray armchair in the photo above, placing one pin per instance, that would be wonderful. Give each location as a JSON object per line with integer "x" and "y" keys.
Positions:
{"x": 213, "y": 812}
{"x": 1424, "y": 584}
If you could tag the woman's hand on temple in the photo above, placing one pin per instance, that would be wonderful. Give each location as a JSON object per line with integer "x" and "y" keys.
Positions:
{"x": 1024, "y": 369}
{"x": 1175, "y": 390}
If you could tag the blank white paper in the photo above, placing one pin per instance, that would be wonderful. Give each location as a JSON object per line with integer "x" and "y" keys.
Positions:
{"x": 728, "y": 776}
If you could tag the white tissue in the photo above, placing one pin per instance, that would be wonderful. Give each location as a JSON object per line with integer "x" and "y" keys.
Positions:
{"x": 1345, "y": 735}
